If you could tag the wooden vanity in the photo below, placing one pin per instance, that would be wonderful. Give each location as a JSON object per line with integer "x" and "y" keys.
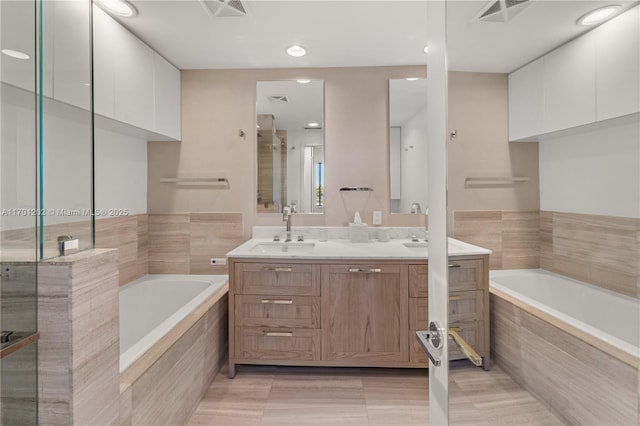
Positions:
{"x": 348, "y": 312}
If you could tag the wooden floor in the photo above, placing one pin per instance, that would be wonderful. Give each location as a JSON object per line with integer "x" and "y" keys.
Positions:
{"x": 362, "y": 396}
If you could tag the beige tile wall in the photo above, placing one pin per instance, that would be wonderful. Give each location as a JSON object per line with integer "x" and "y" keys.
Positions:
{"x": 78, "y": 366}
{"x": 129, "y": 234}
{"x": 512, "y": 236}
{"x": 185, "y": 243}
{"x": 600, "y": 250}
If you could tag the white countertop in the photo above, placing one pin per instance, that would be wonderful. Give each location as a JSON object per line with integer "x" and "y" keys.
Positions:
{"x": 263, "y": 248}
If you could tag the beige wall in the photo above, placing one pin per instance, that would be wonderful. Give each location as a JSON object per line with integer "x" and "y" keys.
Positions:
{"x": 216, "y": 104}
{"x": 478, "y": 111}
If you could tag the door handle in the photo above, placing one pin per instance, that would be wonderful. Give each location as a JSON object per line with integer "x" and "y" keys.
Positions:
{"x": 430, "y": 340}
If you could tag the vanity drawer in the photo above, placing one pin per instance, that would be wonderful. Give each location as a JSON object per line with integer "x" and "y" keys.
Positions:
{"x": 464, "y": 275}
{"x": 291, "y": 279}
{"x": 277, "y": 344}
{"x": 464, "y": 306}
{"x": 277, "y": 311}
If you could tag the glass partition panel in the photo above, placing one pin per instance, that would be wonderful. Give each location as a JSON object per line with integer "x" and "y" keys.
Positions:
{"x": 66, "y": 128}
{"x": 18, "y": 268}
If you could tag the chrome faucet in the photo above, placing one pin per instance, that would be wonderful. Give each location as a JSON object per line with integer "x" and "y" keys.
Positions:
{"x": 286, "y": 217}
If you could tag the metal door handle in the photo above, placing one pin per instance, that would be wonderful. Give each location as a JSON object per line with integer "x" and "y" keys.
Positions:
{"x": 431, "y": 339}
{"x": 277, "y": 301}
{"x": 365, "y": 270}
{"x": 277, "y": 268}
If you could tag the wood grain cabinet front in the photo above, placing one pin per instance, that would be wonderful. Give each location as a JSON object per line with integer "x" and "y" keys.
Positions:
{"x": 350, "y": 313}
{"x": 468, "y": 306}
{"x": 364, "y": 311}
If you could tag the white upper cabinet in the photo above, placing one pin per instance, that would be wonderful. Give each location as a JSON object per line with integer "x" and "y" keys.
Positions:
{"x": 618, "y": 66}
{"x": 167, "y": 97}
{"x": 104, "y": 31}
{"x": 570, "y": 85}
{"x": 72, "y": 53}
{"x": 526, "y": 101}
{"x": 592, "y": 78}
{"x": 134, "y": 99}
{"x": 132, "y": 83}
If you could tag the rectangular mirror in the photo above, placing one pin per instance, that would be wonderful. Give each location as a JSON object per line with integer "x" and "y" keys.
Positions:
{"x": 408, "y": 145}
{"x": 290, "y": 139}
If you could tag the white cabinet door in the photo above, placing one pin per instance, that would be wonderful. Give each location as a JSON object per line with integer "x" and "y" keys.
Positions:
{"x": 134, "y": 102}
{"x": 72, "y": 53}
{"x": 526, "y": 101}
{"x": 167, "y": 97}
{"x": 104, "y": 54}
{"x": 570, "y": 85}
{"x": 618, "y": 66}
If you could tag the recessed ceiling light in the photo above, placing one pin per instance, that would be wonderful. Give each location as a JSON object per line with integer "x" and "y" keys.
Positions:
{"x": 598, "y": 15}
{"x": 426, "y": 49}
{"x": 313, "y": 124}
{"x": 303, "y": 81}
{"x": 119, "y": 7}
{"x": 296, "y": 51}
{"x": 412, "y": 78}
{"x": 15, "y": 54}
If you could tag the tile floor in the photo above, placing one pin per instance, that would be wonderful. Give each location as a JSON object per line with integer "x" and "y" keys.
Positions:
{"x": 266, "y": 395}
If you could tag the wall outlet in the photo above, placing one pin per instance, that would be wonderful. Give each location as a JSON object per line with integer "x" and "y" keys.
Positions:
{"x": 377, "y": 217}
{"x": 218, "y": 261}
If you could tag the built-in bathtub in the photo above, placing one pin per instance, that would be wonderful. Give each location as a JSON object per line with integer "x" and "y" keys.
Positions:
{"x": 173, "y": 340}
{"x": 575, "y": 346}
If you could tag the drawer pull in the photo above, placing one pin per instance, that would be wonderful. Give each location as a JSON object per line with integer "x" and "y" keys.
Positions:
{"x": 277, "y": 301}
{"x": 277, "y": 268}
{"x": 451, "y": 298}
{"x": 454, "y": 265}
{"x": 365, "y": 270}
{"x": 277, "y": 333}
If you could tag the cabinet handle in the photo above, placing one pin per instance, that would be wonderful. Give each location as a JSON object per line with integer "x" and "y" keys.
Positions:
{"x": 454, "y": 265}
{"x": 277, "y": 268}
{"x": 277, "y": 301}
{"x": 365, "y": 270}
{"x": 277, "y": 333}
{"x": 451, "y": 298}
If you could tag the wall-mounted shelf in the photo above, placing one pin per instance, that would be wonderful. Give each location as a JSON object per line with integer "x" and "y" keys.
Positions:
{"x": 494, "y": 180}
{"x": 197, "y": 181}
{"x": 356, "y": 188}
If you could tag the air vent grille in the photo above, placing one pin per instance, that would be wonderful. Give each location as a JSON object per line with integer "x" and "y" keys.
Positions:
{"x": 225, "y": 8}
{"x": 278, "y": 99}
{"x": 501, "y": 10}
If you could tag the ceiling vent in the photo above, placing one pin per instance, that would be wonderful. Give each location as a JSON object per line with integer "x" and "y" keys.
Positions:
{"x": 501, "y": 10}
{"x": 225, "y": 8}
{"x": 278, "y": 99}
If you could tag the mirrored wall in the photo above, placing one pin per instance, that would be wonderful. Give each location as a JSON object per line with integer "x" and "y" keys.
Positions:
{"x": 408, "y": 145}
{"x": 290, "y": 135}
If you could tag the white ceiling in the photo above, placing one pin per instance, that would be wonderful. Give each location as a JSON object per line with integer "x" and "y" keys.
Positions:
{"x": 340, "y": 33}
{"x": 352, "y": 33}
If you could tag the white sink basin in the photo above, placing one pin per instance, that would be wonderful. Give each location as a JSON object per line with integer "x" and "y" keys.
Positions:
{"x": 416, "y": 245}
{"x": 283, "y": 247}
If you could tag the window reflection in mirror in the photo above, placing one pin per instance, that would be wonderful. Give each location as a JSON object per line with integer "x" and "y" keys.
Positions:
{"x": 408, "y": 145}
{"x": 290, "y": 139}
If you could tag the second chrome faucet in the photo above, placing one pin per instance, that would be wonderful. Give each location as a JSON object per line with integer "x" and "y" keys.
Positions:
{"x": 286, "y": 217}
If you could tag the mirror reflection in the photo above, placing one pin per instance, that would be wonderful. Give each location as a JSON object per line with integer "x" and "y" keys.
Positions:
{"x": 408, "y": 145}
{"x": 290, "y": 140}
